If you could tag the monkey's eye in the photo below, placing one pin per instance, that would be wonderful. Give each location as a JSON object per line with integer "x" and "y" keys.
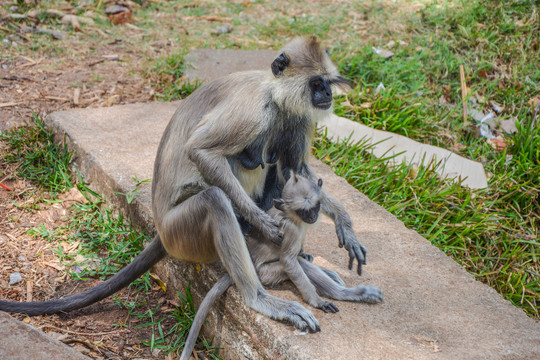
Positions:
{"x": 326, "y": 51}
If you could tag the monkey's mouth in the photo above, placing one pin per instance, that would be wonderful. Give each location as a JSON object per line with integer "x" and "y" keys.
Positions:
{"x": 324, "y": 105}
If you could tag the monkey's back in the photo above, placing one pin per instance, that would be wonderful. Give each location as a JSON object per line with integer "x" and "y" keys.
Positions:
{"x": 217, "y": 105}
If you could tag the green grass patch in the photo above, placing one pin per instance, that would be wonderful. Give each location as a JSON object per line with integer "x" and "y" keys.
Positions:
{"x": 39, "y": 159}
{"x": 494, "y": 232}
{"x": 170, "y": 339}
{"x": 483, "y": 230}
{"x": 167, "y": 72}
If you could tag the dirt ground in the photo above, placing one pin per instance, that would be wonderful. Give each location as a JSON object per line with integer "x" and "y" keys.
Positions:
{"x": 100, "y": 331}
{"x": 98, "y": 73}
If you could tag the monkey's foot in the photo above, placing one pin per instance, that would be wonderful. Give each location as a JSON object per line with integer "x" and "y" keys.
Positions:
{"x": 328, "y": 306}
{"x": 287, "y": 311}
{"x": 368, "y": 294}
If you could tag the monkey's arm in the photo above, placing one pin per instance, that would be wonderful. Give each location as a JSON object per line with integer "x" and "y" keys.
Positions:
{"x": 210, "y": 157}
{"x": 332, "y": 208}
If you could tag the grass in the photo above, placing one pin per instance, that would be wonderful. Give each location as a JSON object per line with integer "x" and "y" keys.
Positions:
{"x": 493, "y": 233}
{"x": 39, "y": 159}
{"x": 104, "y": 241}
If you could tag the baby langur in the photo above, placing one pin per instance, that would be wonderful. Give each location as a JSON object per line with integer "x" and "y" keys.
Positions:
{"x": 296, "y": 210}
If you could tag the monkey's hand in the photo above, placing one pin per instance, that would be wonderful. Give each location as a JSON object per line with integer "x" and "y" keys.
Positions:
{"x": 269, "y": 229}
{"x": 347, "y": 239}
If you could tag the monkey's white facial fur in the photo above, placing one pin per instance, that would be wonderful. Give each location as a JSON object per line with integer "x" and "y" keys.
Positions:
{"x": 304, "y": 67}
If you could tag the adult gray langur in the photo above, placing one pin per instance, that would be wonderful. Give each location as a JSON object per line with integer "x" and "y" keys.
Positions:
{"x": 296, "y": 210}
{"x": 223, "y": 158}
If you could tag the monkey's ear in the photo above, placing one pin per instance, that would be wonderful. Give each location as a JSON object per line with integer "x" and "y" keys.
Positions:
{"x": 319, "y": 182}
{"x": 278, "y": 204}
{"x": 280, "y": 64}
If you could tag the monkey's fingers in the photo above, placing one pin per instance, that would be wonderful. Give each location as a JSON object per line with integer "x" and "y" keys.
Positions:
{"x": 329, "y": 307}
{"x": 364, "y": 253}
{"x": 270, "y": 229}
{"x": 277, "y": 240}
{"x": 307, "y": 257}
{"x": 357, "y": 253}
{"x": 341, "y": 235}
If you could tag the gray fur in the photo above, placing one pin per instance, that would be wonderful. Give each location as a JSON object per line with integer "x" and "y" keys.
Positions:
{"x": 220, "y": 126}
{"x": 275, "y": 264}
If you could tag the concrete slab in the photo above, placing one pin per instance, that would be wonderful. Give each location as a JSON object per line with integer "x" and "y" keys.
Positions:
{"x": 403, "y": 149}
{"x": 208, "y": 64}
{"x": 22, "y": 342}
{"x": 433, "y": 309}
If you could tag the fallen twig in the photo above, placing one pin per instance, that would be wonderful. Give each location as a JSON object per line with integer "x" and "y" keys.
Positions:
{"x": 96, "y": 62}
{"x": 208, "y": 18}
{"x": 9, "y": 104}
{"x": 29, "y": 63}
{"x": 6, "y": 187}
{"x": 86, "y": 343}
{"x": 29, "y": 290}
{"x": 55, "y": 98}
{"x": 46, "y": 326}
{"x": 16, "y": 77}
{"x": 463, "y": 92}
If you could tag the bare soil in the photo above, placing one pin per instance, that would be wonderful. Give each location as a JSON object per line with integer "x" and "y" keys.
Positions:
{"x": 39, "y": 77}
{"x": 100, "y": 331}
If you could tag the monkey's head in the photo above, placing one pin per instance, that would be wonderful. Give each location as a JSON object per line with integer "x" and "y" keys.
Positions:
{"x": 300, "y": 199}
{"x": 307, "y": 75}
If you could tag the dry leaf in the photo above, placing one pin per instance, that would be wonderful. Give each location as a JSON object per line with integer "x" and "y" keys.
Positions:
{"x": 110, "y": 101}
{"x": 497, "y": 143}
{"x": 508, "y": 125}
{"x": 534, "y": 101}
{"x": 384, "y": 53}
{"x": 72, "y": 196}
{"x": 120, "y": 18}
{"x": 159, "y": 281}
{"x": 72, "y": 20}
{"x": 55, "y": 266}
{"x": 458, "y": 147}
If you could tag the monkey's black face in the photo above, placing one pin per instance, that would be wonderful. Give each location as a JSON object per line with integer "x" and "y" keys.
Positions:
{"x": 321, "y": 93}
{"x": 309, "y": 216}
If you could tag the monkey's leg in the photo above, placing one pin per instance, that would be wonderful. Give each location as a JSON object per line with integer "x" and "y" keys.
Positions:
{"x": 289, "y": 260}
{"x": 210, "y": 216}
{"x": 305, "y": 286}
{"x": 332, "y": 275}
{"x": 329, "y": 288}
{"x": 216, "y": 291}
{"x": 272, "y": 274}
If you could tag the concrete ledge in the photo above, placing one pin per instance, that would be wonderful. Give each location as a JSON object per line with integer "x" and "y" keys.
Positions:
{"x": 23, "y": 342}
{"x": 433, "y": 309}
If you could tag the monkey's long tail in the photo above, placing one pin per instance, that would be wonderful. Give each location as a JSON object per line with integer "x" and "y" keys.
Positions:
{"x": 143, "y": 262}
{"x": 216, "y": 291}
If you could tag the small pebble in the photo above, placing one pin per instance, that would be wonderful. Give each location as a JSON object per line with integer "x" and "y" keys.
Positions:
{"x": 15, "y": 278}
{"x": 225, "y": 29}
